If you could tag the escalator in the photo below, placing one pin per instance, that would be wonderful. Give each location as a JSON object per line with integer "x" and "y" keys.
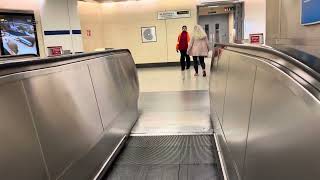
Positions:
{"x": 83, "y": 117}
{"x": 173, "y": 139}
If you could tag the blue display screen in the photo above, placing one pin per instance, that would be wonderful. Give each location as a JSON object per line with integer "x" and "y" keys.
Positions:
{"x": 310, "y": 12}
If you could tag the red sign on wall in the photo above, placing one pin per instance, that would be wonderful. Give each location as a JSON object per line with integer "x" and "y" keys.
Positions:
{"x": 256, "y": 38}
{"x": 55, "y": 51}
{"x": 88, "y": 33}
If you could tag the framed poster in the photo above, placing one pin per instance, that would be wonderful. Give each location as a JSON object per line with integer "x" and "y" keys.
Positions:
{"x": 18, "y": 33}
{"x": 310, "y": 12}
{"x": 148, "y": 34}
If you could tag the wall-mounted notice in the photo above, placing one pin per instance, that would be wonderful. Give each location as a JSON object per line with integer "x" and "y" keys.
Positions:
{"x": 174, "y": 14}
{"x": 55, "y": 51}
{"x": 256, "y": 38}
{"x": 310, "y": 12}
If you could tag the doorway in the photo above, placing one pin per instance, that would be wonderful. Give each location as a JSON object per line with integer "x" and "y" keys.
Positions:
{"x": 216, "y": 27}
{"x": 222, "y": 21}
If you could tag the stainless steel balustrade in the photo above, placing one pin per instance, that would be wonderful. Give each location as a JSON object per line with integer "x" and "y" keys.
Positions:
{"x": 64, "y": 118}
{"x": 266, "y": 110}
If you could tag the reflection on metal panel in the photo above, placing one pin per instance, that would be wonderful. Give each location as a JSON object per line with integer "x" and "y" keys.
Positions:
{"x": 66, "y": 116}
{"x": 20, "y": 154}
{"x": 237, "y": 106}
{"x": 109, "y": 95}
{"x": 219, "y": 84}
{"x": 130, "y": 81}
{"x": 284, "y": 131}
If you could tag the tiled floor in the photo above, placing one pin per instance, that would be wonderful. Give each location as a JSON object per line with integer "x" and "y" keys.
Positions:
{"x": 184, "y": 112}
{"x": 173, "y": 102}
{"x": 172, "y": 79}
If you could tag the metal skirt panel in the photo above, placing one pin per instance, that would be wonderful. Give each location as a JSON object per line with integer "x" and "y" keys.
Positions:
{"x": 20, "y": 150}
{"x": 67, "y": 123}
{"x": 72, "y": 113}
{"x": 279, "y": 127}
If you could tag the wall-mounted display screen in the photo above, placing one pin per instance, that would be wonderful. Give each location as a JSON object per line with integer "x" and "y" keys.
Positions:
{"x": 18, "y": 34}
{"x": 310, "y": 12}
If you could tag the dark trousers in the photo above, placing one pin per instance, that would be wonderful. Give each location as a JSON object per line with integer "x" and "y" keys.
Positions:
{"x": 196, "y": 63}
{"x": 184, "y": 57}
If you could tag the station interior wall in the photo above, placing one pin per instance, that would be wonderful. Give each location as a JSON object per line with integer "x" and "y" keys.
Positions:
{"x": 59, "y": 15}
{"x": 52, "y": 15}
{"x": 285, "y": 30}
{"x": 254, "y": 17}
{"x": 118, "y": 25}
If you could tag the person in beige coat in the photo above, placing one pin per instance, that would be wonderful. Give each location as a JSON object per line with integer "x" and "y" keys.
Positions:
{"x": 199, "y": 48}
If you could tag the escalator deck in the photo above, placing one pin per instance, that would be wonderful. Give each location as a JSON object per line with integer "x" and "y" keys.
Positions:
{"x": 167, "y": 158}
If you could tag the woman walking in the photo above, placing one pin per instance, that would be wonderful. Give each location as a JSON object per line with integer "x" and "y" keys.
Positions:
{"x": 199, "y": 49}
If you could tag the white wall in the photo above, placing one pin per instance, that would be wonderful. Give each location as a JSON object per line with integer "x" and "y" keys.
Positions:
{"x": 58, "y": 15}
{"x": 122, "y": 22}
{"x": 75, "y": 25}
{"x": 255, "y": 17}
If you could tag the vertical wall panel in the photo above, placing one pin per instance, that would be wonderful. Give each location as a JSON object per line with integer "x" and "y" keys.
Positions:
{"x": 60, "y": 15}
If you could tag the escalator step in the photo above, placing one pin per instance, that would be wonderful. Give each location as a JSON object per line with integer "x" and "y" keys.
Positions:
{"x": 167, "y": 157}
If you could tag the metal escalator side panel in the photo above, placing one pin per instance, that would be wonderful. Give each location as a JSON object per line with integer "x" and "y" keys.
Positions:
{"x": 283, "y": 130}
{"x": 237, "y": 106}
{"x": 19, "y": 140}
{"x": 66, "y": 115}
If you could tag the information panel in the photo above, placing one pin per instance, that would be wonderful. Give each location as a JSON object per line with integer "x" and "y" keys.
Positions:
{"x": 174, "y": 14}
{"x": 310, "y": 13}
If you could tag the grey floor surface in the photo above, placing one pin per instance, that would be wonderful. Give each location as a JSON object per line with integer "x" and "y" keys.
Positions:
{"x": 178, "y": 112}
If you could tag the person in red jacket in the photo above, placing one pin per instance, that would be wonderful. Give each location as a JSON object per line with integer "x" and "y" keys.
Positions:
{"x": 182, "y": 46}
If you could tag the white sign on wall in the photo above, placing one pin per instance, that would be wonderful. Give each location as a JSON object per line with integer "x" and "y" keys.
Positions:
{"x": 174, "y": 14}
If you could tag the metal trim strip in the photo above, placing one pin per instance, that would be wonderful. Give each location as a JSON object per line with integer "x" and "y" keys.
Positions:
{"x": 108, "y": 161}
{"x": 275, "y": 52}
{"x": 76, "y": 31}
{"x": 221, "y": 158}
{"x": 57, "y": 32}
{"x": 172, "y": 134}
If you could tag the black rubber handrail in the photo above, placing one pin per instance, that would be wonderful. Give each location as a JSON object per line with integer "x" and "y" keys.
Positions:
{"x": 9, "y": 57}
{"x": 38, "y": 61}
{"x": 297, "y": 62}
{"x": 11, "y": 67}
